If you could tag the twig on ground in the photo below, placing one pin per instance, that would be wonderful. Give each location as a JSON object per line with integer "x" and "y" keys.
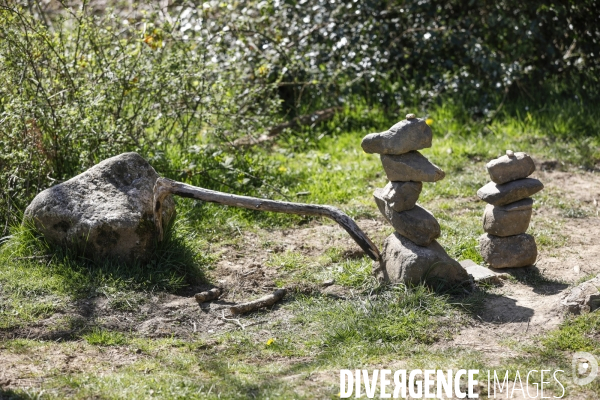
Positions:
{"x": 208, "y": 295}
{"x": 266, "y": 301}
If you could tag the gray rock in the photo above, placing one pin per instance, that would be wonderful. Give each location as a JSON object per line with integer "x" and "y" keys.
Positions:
{"x": 482, "y": 274}
{"x": 406, "y": 135}
{"x": 508, "y": 252}
{"x": 508, "y": 220}
{"x": 411, "y": 166}
{"x": 104, "y": 212}
{"x": 401, "y": 196}
{"x": 583, "y": 298}
{"x": 417, "y": 224}
{"x": 402, "y": 261}
{"x": 510, "y": 192}
{"x": 510, "y": 167}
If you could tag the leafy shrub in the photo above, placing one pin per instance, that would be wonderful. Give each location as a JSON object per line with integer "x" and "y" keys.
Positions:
{"x": 78, "y": 86}
{"x": 397, "y": 52}
{"x": 180, "y": 84}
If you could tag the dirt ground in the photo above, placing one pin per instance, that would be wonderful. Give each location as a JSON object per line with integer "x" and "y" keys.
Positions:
{"x": 515, "y": 310}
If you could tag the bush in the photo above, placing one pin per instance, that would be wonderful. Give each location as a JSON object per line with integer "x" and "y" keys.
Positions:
{"x": 77, "y": 87}
{"x": 180, "y": 84}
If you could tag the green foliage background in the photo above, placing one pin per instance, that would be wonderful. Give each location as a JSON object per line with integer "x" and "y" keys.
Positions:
{"x": 80, "y": 83}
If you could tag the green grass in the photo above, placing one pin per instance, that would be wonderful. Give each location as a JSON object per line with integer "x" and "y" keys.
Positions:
{"x": 38, "y": 280}
{"x": 101, "y": 337}
{"x": 371, "y": 326}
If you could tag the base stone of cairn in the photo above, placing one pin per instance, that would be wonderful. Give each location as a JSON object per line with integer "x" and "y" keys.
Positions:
{"x": 508, "y": 252}
{"x": 411, "y": 254}
{"x": 404, "y": 261}
{"x": 508, "y": 213}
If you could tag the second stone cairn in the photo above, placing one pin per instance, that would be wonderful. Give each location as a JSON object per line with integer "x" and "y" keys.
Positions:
{"x": 508, "y": 213}
{"x": 411, "y": 255}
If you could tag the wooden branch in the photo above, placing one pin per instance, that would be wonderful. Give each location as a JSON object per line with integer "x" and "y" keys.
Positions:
{"x": 209, "y": 295}
{"x": 164, "y": 187}
{"x": 266, "y": 301}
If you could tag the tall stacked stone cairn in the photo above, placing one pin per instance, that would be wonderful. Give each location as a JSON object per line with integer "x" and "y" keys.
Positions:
{"x": 508, "y": 213}
{"x": 411, "y": 254}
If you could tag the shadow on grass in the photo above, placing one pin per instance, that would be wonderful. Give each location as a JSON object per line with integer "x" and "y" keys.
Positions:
{"x": 172, "y": 266}
{"x": 34, "y": 273}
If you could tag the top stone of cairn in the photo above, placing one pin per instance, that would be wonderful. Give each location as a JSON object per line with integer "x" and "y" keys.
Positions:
{"x": 510, "y": 167}
{"x": 407, "y": 135}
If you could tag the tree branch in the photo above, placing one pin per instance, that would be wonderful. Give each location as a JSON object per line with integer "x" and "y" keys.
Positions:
{"x": 164, "y": 187}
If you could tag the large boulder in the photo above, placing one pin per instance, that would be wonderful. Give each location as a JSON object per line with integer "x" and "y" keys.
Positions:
{"x": 402, "y": 261}
{"x": 105, "y": 212}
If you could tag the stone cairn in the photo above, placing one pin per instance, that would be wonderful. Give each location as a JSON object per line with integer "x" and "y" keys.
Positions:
{"x": 508, "y": 213}
{"x": 411, "y": 254}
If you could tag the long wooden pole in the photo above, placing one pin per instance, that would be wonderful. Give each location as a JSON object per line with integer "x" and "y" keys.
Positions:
{"x": 164, "y": 187}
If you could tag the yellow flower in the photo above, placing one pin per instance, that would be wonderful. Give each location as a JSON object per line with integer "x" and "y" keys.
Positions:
{"x": 429, "y": 121}
{"x": 282, "y": 169}
{"x": 270, "y": 341}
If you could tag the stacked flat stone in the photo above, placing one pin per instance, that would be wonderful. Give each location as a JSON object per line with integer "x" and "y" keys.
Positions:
{"x": 508, "y": 213}
{"x": 411, "y": 254}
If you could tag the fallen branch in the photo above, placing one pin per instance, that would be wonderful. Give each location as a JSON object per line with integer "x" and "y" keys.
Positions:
{"x": 314, "y": 118}
{"x": 209, "y": 295}
{"x": 164, "y": 187}
{"x": 266, "y": 301}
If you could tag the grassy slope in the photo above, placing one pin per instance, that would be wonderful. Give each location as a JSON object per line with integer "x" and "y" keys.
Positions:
{"x": 396, "y": 324}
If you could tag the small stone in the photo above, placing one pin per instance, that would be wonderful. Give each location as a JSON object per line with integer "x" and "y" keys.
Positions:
{"x": 417, "y": 224}
{"x": 508, "y": 220}
{"x": 407, "y": 135}
{"x": 508, "y": 252}
{"x": 510, "y": 192}
{"x": 583, "y": 298}
{"x": 328, "y": 282}
{"x": 412, "y": 166}
{"x": 402, "y": 261}
{"x": 482, "y": 274}
{"x": 105, "y": 212}
{"x": 400, "y": 196}
{"x": 411, "y": 116}
{"x": 510, "y": 167}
